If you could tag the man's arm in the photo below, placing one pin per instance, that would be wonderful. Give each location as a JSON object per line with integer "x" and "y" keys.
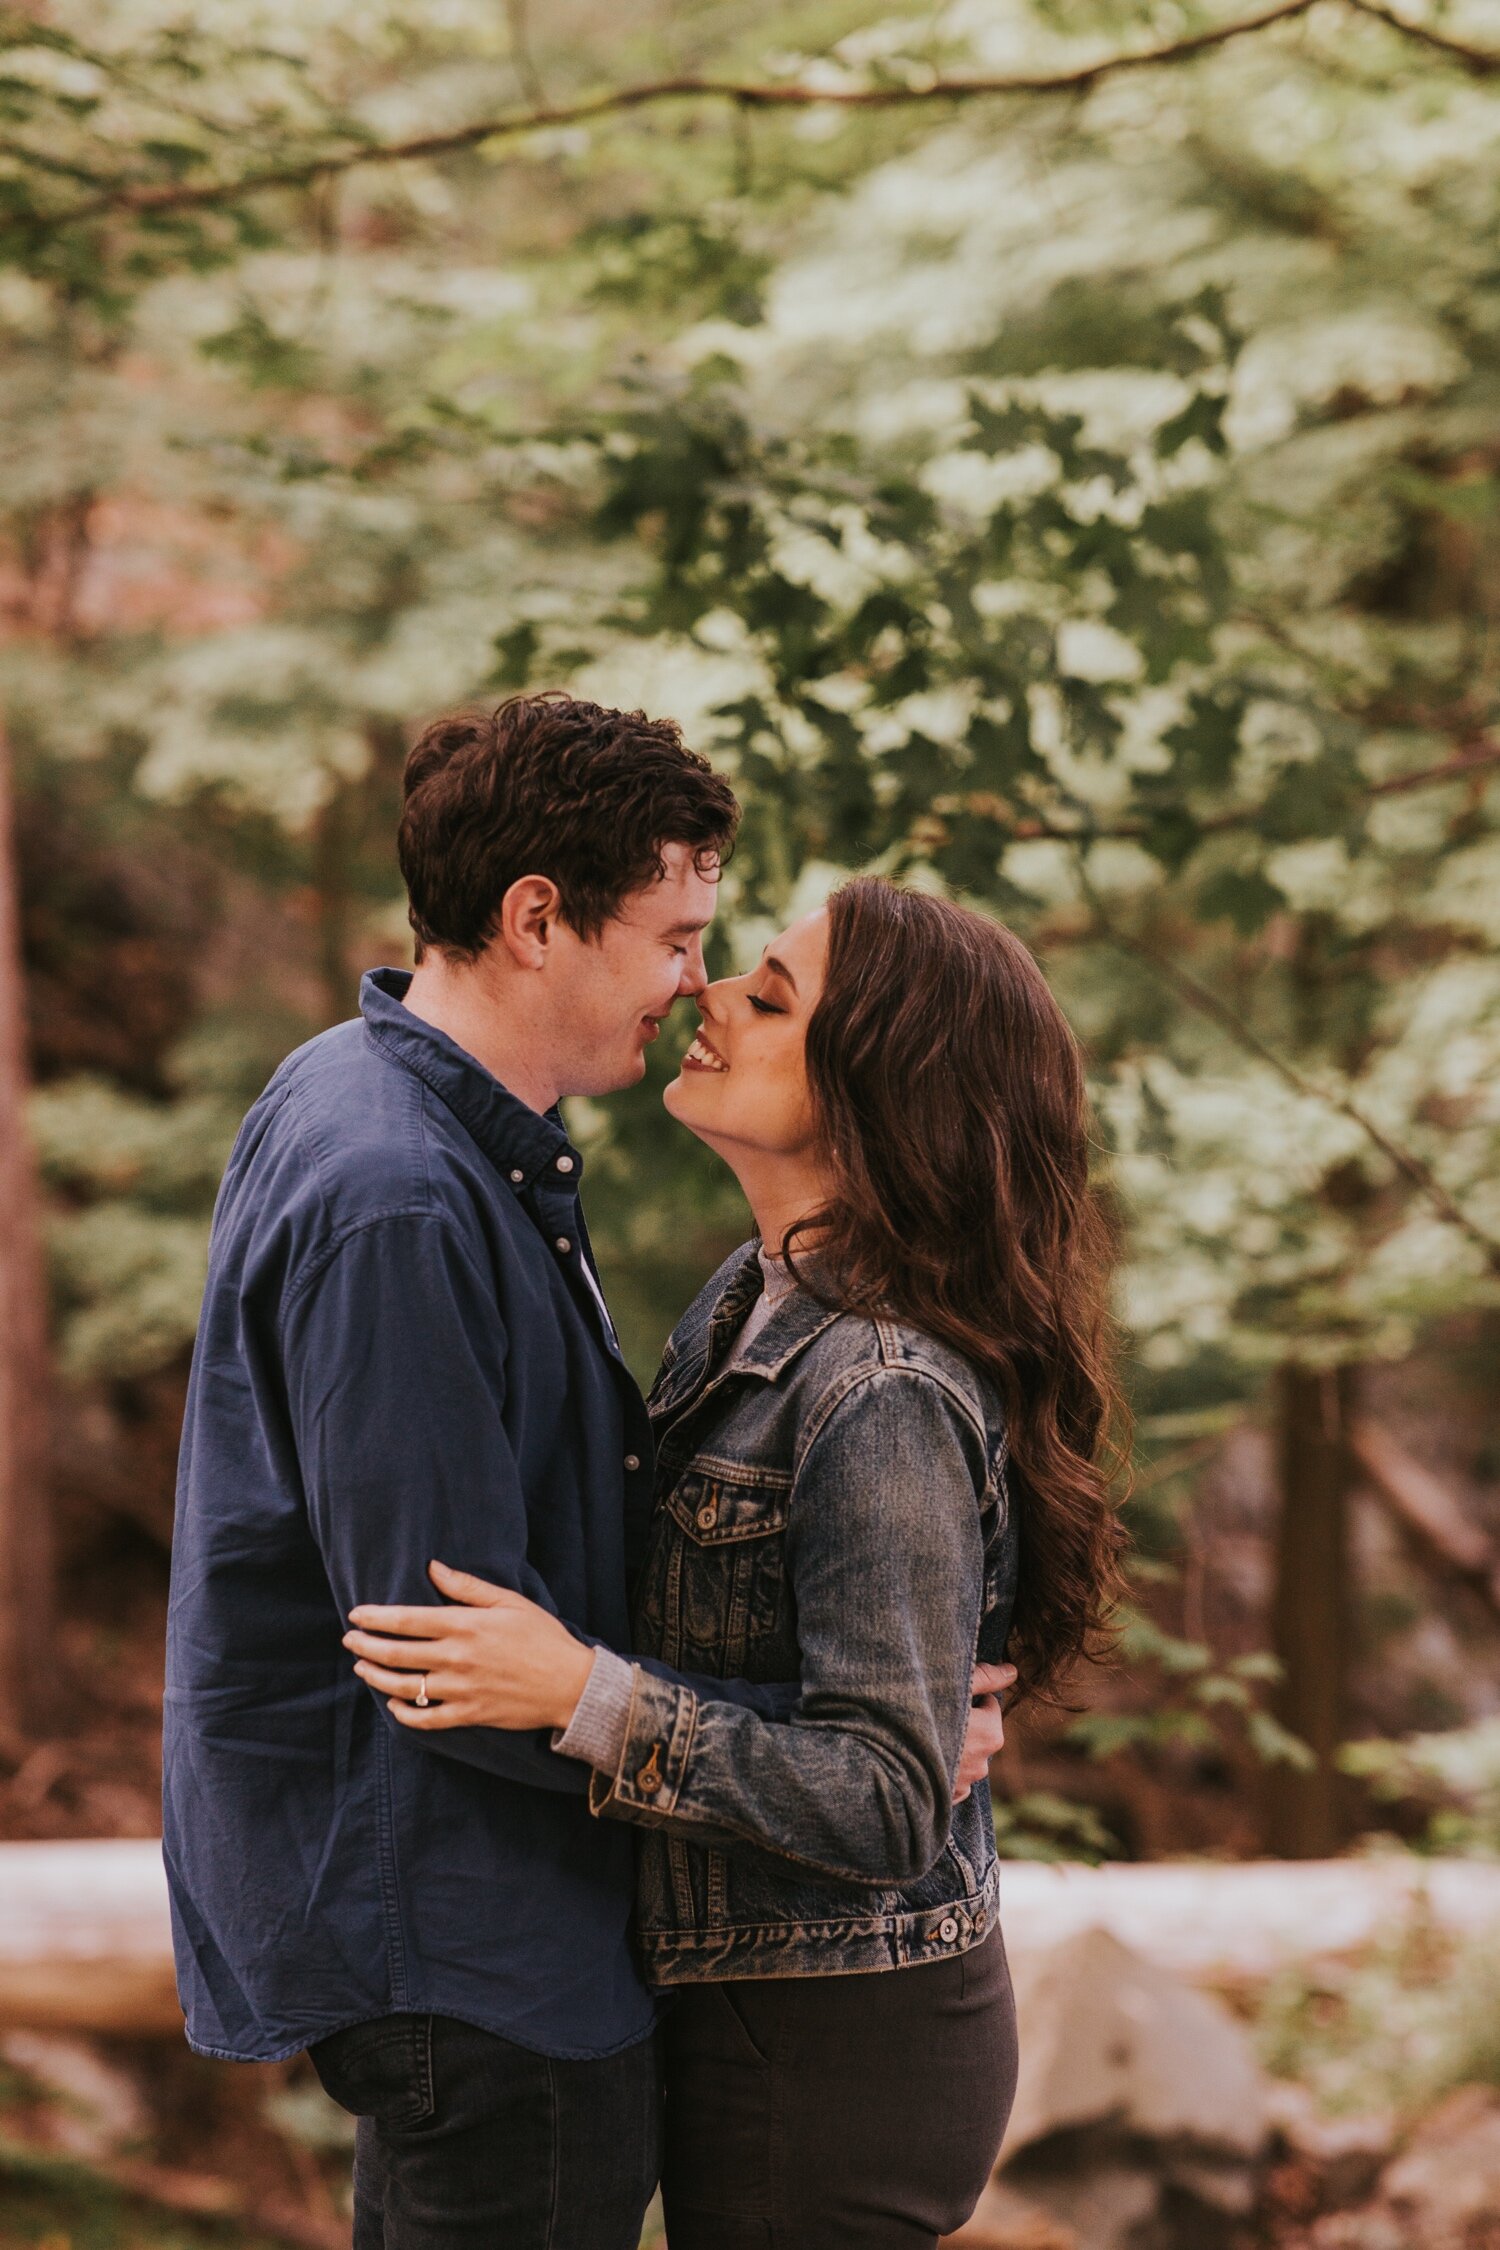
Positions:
{"x": 394, "y": 1354}
{"x": 395, "y": 1370}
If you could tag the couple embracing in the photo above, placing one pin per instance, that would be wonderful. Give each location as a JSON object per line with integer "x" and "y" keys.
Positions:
{"x": 596, "y": 1788}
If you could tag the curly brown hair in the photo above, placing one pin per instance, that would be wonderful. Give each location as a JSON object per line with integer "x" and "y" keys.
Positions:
{"x": 952, "y": 1109}
{"x": 549, "y": 785}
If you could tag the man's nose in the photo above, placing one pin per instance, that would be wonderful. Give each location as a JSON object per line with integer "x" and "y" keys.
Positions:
{"x": 694, "y": 978}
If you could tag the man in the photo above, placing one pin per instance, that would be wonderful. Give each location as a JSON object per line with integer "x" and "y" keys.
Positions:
{"x": 405, "y": 1354}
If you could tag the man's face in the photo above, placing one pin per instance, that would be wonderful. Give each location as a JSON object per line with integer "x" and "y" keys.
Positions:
{"x": 614, "y": 990}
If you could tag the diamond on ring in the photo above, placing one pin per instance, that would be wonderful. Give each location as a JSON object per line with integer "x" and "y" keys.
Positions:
{"x": 422, "y": 1697}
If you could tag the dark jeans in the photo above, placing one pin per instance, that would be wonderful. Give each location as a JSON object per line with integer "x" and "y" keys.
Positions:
{"x": 469, "y": 2143}
{"x": 837, "y": 2113}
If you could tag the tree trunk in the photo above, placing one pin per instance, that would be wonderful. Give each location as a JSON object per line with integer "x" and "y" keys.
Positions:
{"x": 1308, "y": 1814}
{"x": 26, "y": 1683}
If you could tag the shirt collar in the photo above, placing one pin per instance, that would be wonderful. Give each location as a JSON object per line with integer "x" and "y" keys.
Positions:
{"x": 515, "y": 1138}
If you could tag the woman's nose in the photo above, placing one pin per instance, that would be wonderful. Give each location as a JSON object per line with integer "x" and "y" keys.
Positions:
{"x": 710, "y": 999}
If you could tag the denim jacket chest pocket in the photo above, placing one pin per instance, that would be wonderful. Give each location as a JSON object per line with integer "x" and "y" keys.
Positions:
{"x": 715, "y": 1596}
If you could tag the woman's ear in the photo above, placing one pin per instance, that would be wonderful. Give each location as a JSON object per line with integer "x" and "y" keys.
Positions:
{"x": 528, "y": 914}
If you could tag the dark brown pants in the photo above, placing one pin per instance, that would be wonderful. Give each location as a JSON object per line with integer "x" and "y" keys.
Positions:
{"x": 837, "y": 2113}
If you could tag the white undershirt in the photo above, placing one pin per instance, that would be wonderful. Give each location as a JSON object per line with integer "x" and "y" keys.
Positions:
{"x": 777, "y": 1284}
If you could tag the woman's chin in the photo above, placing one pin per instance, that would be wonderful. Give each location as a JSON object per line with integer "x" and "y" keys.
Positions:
{"x": 684, "y": 1099}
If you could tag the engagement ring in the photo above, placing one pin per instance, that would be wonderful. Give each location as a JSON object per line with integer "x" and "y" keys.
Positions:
{"x": 422, "y": 1697}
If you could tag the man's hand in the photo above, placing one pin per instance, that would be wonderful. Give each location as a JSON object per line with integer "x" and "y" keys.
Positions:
{"x": 986, "y": 1726}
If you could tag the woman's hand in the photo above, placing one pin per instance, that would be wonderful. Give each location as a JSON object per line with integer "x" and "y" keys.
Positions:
{"x": 488, "y": 1659}
{"x": 986, "y": 1736}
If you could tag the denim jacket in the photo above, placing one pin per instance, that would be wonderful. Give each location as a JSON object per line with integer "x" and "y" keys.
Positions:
{"x": 831, "y": 1512}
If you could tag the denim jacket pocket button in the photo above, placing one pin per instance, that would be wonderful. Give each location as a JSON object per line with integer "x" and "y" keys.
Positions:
{"x": 708, "y": 1516}
{"x": 948, "y": 1930}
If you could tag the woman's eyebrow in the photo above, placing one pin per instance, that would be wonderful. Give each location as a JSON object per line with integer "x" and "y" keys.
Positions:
{"x": 780, "y": 969}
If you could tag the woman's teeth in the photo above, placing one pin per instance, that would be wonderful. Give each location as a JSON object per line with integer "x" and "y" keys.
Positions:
{"x": 705, "y": 1057}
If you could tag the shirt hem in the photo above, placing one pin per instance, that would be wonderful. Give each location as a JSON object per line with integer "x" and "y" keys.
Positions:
{"x": 299, "y": 2046}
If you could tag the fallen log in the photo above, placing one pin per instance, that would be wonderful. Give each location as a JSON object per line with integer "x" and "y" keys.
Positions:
{"x": 1425, "y": 1508}
{"x": 85, "y": 1943}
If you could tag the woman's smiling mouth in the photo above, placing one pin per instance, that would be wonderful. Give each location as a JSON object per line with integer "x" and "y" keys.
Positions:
{"x": 700, "y": 1056}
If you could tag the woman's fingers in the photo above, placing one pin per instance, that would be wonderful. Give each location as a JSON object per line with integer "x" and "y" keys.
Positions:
{"x": 405, "y": 1687}
{"x": 463, "y": 1586}
{"x": 401, "y": 1656}
{"x": 993, "y": 1679}
{"x": 430, "y": 1721}
{"x": 417, "y": 1624}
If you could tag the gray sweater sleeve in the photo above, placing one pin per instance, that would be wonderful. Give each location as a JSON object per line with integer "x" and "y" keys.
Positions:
{"x": 597, "y": 1730}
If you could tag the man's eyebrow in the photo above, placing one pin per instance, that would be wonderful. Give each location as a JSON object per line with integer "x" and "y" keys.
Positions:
{"x": 780, "y": 969}
{"x": 689, "y": 929}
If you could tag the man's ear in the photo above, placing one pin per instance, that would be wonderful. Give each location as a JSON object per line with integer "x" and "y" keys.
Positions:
{"x": 528, "y": 920}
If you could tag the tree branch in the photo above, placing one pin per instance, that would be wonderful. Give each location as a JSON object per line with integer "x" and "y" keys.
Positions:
{"x": 1475, "y": 59}
{"x": 1477, "y": 757}
{"x": 148, "y": 197}
{"x": 1208, "y": 1003}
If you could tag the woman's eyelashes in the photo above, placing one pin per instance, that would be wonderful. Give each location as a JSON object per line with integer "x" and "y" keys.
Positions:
{"x": 763, "y": 1007}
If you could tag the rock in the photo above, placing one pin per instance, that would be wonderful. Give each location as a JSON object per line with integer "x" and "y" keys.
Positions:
{"x": 1441, "y": 2193}
{"x": 1007, "y": 2221}
{"x": 1343, "y": 2156}
{"x": 1105, "y": 2035}
{"x": 1104, "y": 2205}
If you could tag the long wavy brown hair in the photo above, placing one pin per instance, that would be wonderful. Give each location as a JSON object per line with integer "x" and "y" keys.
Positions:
{"x": 950, "y": 1099}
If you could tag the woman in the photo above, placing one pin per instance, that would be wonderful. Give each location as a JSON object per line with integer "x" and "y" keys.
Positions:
{"x": 879, "y": 1432}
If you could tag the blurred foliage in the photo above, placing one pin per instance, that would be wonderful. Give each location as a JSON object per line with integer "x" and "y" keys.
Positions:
{"x": 1453, "y": 1777}
{"x": 1040, "y": 1826}
{"x": 1085, "y": 507}
{"x": 1391, "y": 2031}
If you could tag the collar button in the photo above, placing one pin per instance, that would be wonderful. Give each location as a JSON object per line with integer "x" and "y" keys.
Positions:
{"x": 565, "y": 1164}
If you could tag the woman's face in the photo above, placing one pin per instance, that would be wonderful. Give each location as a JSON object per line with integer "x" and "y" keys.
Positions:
{"x": 743, "y": 1084}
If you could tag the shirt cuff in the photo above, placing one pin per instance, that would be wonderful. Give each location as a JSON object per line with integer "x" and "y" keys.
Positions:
{"x": 597, "y": 1731}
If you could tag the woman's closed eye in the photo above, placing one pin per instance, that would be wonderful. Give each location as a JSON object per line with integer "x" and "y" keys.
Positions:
{"x": 763, "y": 1007}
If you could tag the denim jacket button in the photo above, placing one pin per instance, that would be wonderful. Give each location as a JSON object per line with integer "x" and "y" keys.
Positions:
{"x": 948, "y": 1930}
{"x": 979, "y": 1923}
{"x": 708, "y": 1516}
{"x": 632, "y": 1462}
{"x": 648, "y": 1781}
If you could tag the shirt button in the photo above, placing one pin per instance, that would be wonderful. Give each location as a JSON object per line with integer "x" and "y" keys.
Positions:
{"x": 565, "y": 1164}
{"x": 948, "y": 1930}
{"x": 518, "y": 1177}
{"x": 563, "y": 1243}
{"x": 632, "y": 1461}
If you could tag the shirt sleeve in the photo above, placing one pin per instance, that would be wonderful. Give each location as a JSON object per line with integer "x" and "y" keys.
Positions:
{"x": 395, "y": 1370}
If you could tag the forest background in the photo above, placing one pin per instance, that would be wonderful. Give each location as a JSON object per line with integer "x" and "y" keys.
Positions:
{"x": 1048, "y": 452}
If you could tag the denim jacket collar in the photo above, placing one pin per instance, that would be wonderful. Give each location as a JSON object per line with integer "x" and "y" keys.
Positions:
{"x": 791, "y": 1328}
{"x": 514, "y": 1137}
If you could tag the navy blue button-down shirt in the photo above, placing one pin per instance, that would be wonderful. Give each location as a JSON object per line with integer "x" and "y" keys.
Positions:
{"x": 400, "y": 1356}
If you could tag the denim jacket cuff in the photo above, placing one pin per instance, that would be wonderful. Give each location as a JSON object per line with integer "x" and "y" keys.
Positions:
{"x": 652, "y": 1765}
